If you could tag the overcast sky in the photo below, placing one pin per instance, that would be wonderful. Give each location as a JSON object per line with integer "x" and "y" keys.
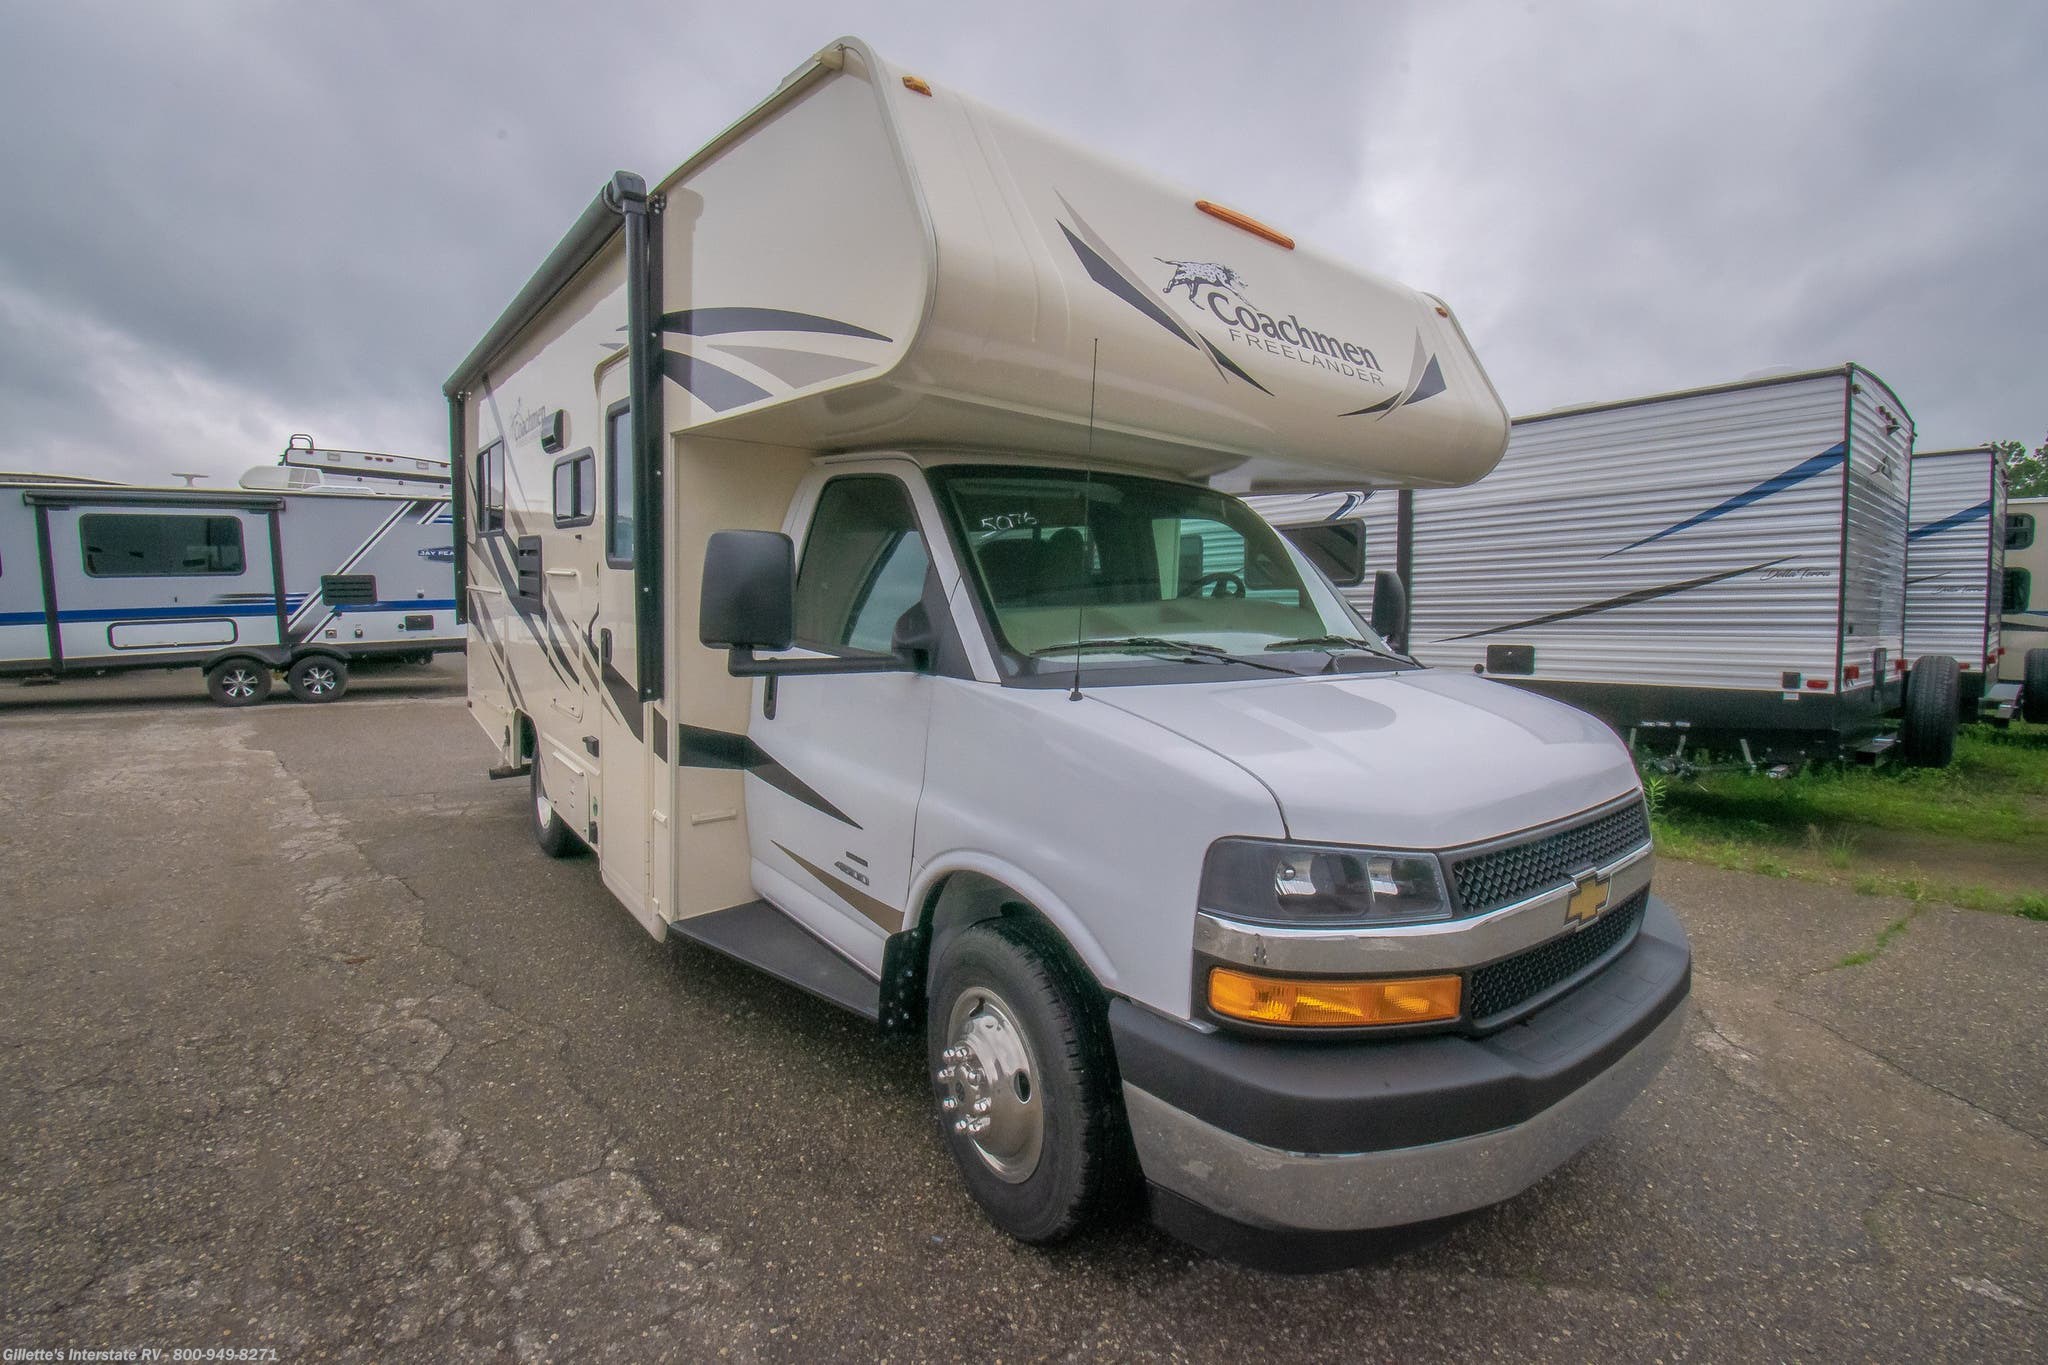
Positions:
{"x": 225, "y": 222}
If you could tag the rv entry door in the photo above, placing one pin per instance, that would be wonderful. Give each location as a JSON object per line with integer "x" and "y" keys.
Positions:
{"x": 832, "y": 829}
{"x": 167, "y": 576}
{"x": 624, "y": 814}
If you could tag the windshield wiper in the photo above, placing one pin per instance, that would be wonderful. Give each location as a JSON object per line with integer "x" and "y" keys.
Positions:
{"x": 1154, "y": 644}
{"x": 1336, "y": 642}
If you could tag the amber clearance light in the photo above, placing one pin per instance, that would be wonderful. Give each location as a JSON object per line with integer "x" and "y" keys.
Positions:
{"x": 1247, "y": 222}
{"x": 1314, "y": 1003}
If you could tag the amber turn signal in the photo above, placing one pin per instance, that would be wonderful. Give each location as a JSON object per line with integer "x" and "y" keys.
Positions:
{"x": 1312, "y": 1003}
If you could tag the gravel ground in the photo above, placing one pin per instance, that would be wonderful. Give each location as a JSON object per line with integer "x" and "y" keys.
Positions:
{"x": 307, "y": 1048}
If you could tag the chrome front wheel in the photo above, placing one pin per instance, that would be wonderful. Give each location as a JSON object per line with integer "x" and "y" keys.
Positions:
{"x": 990, "y": 1085}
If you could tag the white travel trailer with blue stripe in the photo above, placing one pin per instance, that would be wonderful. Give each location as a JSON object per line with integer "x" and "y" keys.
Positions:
{"x": 332, "y": 569}
{"x": 1726, "y": 565}
{"x": 1955, "y": 567}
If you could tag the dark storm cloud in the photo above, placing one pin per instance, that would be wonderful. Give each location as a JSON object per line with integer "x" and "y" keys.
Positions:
{"x": 229, "y": 221}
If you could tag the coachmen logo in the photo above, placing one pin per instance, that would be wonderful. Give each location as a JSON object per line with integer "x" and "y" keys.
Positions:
{"x": 1218, "y": 296}
{"x": 1588, "y": 899}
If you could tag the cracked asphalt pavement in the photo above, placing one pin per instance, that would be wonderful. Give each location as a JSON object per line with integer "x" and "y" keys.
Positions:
{"x": 307, "y": 1047}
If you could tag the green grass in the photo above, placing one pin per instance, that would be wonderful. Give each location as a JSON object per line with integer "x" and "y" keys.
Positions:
{"x": 1996, "y": 791}
{"x": 1884, "y": 941}
{"x": 1818, "y": 824}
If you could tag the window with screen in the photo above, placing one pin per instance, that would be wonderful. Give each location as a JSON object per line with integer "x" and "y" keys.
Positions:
{"x": 576, "y": 489}
{"x": 618, "y": 493}
{"x": 863, "y": 566}
{"x": 153, "y": 545}
{"x": 490, "y": 487}
{"x": 2019, "y": 530}
{"x": 2019, "y": 590}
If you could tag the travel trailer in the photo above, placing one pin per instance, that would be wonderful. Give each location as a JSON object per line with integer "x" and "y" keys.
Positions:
{"x": 1955, "y": 568}
{"x": 1722, "y": 568}
{"x": 300, "y": 572}
{"x": 844, "y": 570}
{"x": 2023, "y": 615}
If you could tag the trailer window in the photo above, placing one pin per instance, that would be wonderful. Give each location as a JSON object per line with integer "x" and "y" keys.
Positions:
{"x": 576, "y": 489}
{"x": 2019, "y": 530}
{"x": 864, "y": 565}
{"x": 490, "y": 487}
{"x": 618, "y": 491}
{"x": 2019, "y": 590}
{"x": 1337, "y": 548}
{"x": 150, "y": 545}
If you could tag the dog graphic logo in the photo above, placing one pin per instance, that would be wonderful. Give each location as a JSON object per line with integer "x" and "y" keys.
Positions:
{"x": 1195, "y": 274}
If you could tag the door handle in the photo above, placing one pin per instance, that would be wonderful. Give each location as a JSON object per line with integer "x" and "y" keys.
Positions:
{"x": 604, "y": 645}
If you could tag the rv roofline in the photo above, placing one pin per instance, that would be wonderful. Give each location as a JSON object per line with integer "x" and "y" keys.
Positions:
{"x": 1848, "y": 371}
{"x": 97, "y": 496}
{"x": 1959, "y": 450}
{"x": 598, "y": 224}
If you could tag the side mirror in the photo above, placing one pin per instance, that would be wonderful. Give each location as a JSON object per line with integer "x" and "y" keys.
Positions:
{"x": 1390, "y": 608}
{"x": 914, "y": 641}
{"x": 749, "y": 594}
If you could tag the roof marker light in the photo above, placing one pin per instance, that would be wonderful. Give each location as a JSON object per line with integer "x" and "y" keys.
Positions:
{"x": 1248, "y": 223}
{"x": 916, "y": 83}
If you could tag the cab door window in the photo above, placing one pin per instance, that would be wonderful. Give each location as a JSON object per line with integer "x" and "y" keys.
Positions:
{"x": 864, "y": 565}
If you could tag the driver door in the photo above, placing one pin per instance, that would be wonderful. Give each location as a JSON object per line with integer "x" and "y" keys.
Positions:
{"x": 832, "y": 822}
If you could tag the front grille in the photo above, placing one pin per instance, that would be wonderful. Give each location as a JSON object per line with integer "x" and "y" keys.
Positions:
{"x": 1502, "y": 876}
{"x": 1502, "y": 986}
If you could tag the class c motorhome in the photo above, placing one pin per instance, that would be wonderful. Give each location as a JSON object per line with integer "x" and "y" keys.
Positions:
{"x": 845, "y": 569}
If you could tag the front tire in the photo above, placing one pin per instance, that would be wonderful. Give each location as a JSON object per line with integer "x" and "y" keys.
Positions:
{"x": 238, "y": 682}
{"x": 2034, "y": 688}
{"x": 550, "y": 831}
{"x": 317, "y": 677}
{"x": 1928, "y": 735}
{"x": 1025, "y": 1081}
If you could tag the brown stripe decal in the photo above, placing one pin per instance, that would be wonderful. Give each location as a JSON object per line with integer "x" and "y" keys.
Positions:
{"x": 701, "y": 748}
{"x": 886, "y": 917}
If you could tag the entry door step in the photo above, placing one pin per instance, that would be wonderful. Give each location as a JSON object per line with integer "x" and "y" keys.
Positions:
{"x": 1873, "y": 751}
{"x": 764, "y": 938}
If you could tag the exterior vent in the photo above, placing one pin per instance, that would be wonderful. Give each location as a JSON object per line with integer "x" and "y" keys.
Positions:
{"x": 348, "y": 589}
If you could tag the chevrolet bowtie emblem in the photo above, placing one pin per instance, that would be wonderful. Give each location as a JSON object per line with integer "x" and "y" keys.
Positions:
{"x": 1589, "y": 898}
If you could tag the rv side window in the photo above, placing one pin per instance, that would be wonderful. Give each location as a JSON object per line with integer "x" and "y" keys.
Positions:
{"x": 490, "y": 487}
{"x": 618, "y": 491}
{"x": 864, "y": 565}
{"x": 2019, "y": 590}
{"x": 576, "y": 489}
{"x": 1337, "y": 548}
{"x": 2019, "y": 530}
{"x": 132, "y": 545}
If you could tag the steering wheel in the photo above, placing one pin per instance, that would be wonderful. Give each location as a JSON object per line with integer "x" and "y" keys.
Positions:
{"x": 1225, "y": 584}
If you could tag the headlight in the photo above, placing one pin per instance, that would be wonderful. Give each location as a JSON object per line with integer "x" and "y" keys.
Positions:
{"x": 1321, "y": 884}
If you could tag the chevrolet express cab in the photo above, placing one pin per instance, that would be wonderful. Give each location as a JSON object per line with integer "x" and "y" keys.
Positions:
{"x": 845, "y": 542}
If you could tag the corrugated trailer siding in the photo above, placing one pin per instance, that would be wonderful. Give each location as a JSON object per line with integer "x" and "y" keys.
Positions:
{"x": 1643, "y": 499}
{"x": 1952, "y": 556}
{"x": 1874, "y": 568}
{"x": 1994, "y": 597}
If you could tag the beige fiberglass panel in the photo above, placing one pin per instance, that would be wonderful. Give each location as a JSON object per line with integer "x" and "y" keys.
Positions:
{"x": 794, "y": 266}
{"x": 1209, "y": 336}
{"x": 714, "y": 485}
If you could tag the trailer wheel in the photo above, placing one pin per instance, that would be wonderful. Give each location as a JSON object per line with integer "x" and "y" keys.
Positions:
{"x": 550, "y": 831}
{"x": 1025, "y": 1081}
{"x": 2034, "y": 688}
{"x": 238, "y": 682}
{"x": 317, "y": 677}
{"x": 1928, "y": 736}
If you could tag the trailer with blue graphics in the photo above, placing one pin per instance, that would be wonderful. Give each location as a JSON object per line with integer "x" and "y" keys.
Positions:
{"x": 1955, "y": 566}
{"x": 1721, "y": 568}
{"x": 243, "y": 584}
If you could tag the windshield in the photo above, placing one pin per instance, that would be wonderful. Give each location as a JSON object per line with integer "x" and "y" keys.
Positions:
{"x": 1134, "y": 569}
